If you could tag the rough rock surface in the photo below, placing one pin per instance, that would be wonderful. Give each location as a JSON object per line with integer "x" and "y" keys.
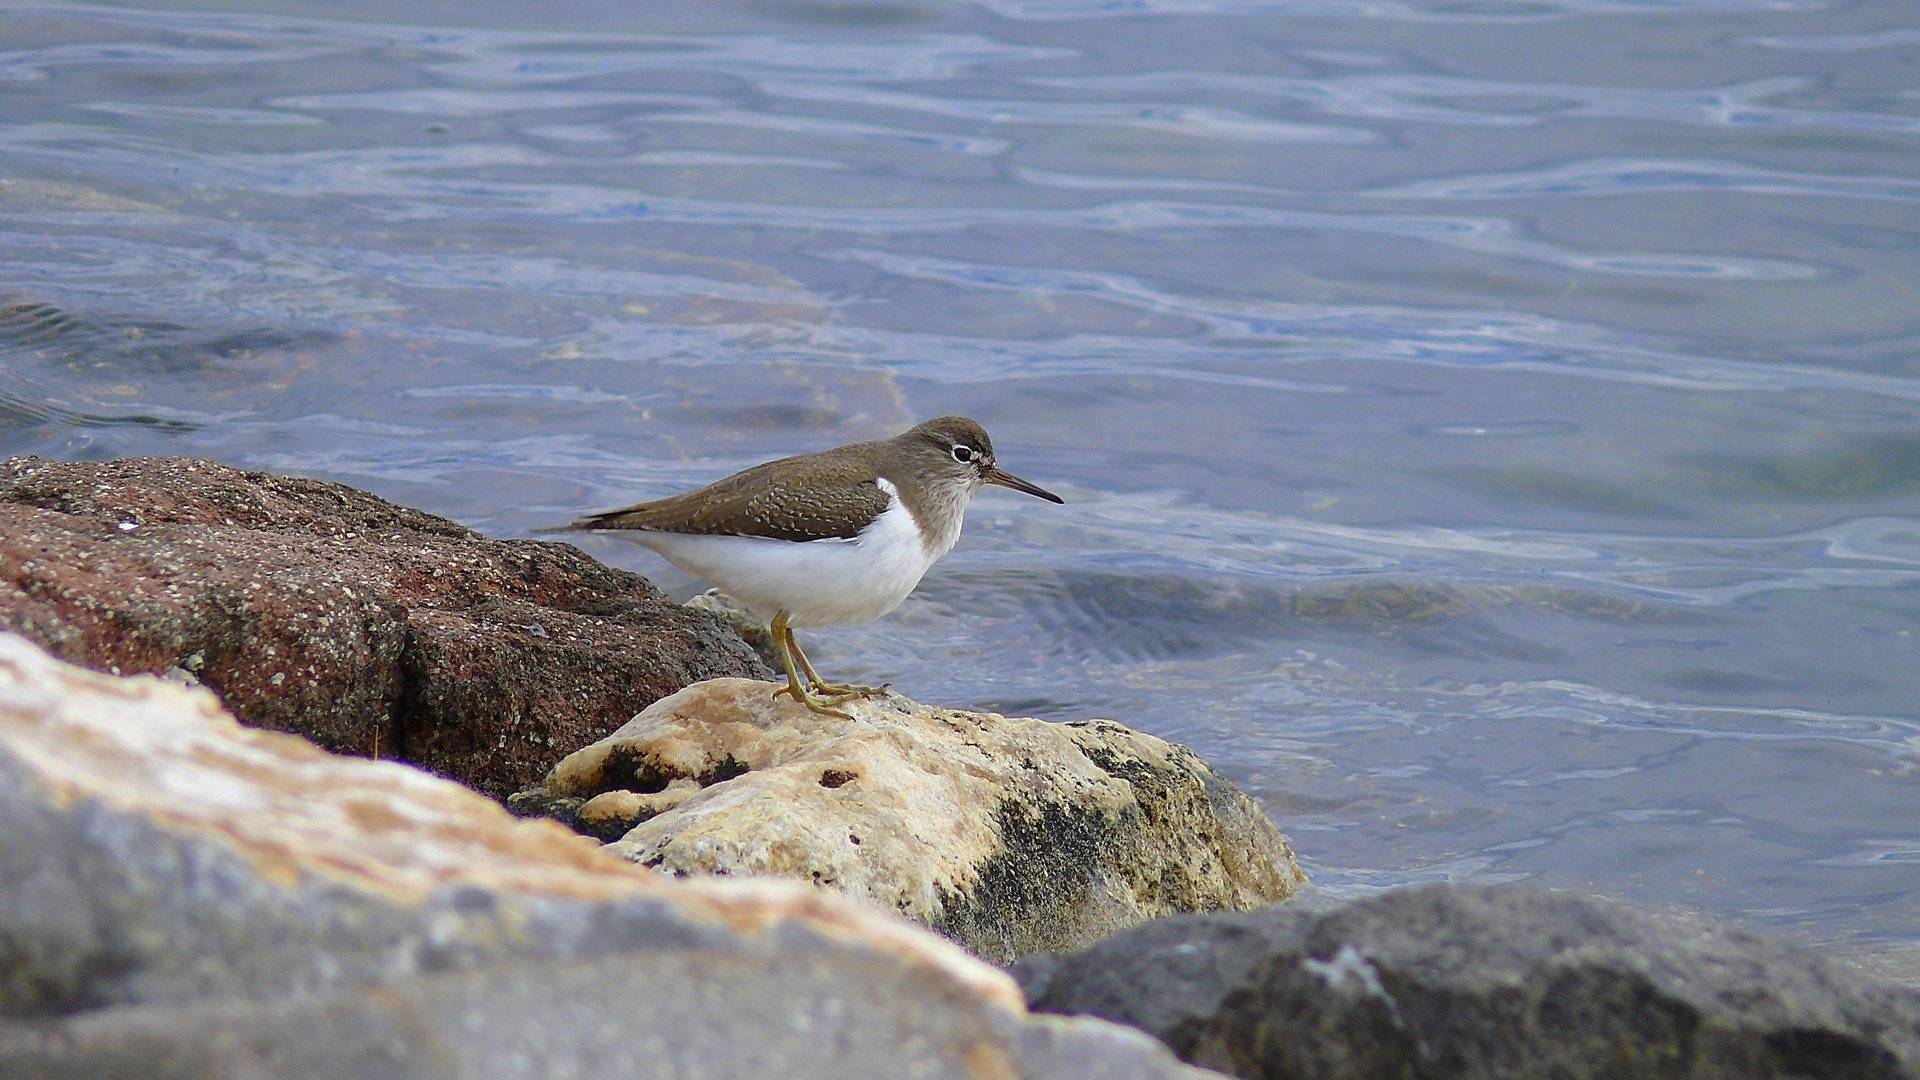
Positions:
{"x": 181, "y": 896}
{"x": 1477, "y": 983}
{"x": 1009, "y": 835}
{"x": 315, "y": 608}
{"x": 687, "y": 1014}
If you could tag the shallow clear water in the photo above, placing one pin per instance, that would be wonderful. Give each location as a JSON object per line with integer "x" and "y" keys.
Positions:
{"x": 1491, "y": 427}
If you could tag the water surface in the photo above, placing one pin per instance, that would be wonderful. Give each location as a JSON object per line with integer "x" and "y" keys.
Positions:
{"x": 1491, "y": 427}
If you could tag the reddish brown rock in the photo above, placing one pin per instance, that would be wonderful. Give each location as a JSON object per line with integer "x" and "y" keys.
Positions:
{"x": 319, "y": 609}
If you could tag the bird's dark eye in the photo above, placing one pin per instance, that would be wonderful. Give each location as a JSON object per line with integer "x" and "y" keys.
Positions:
{"x": 962, "y": 453}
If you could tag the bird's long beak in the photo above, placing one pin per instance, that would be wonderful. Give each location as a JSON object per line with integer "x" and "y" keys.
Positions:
{"x": 993, "y": 475}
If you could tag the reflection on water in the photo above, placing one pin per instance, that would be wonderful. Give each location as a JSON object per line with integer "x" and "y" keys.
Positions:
{"x": 1489, "y": 429}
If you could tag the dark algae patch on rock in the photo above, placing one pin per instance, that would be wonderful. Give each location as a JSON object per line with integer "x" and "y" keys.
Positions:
{"x": 1037, "y": 888}
{"x": 1485, "y": 983}
{"x": 315, "y": 608}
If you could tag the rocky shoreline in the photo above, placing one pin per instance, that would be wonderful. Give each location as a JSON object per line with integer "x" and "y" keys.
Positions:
{"x": 184, "y": 897}
{"x": 216, "y": 881}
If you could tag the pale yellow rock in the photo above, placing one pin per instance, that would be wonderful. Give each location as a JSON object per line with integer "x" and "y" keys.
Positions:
{"x": 151, "y": 848}
{"x": 182, "y": 898}
{"x": 1010, "y": 835}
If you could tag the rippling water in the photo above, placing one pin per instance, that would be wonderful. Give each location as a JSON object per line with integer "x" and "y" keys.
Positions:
{"x": 1491, "y": 427}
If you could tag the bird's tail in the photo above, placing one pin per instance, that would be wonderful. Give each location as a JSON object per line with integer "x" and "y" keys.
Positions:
{"x": 606, "y": 519}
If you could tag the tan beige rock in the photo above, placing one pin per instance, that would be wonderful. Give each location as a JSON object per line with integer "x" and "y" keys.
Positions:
{"x": 184, "y": 897}
{"x": 151, "y": 849}
{"x": 1009, "y": 835}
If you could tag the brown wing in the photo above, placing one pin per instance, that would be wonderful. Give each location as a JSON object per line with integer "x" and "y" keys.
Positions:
{"x": 811, "y": 497}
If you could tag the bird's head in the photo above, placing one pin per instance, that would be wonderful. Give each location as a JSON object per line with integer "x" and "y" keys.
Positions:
{"x": 954, "y": 450}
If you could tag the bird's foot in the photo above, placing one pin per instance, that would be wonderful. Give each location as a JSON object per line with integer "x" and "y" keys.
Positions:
{"x": 822, "y": 705}
{"x": 848, "y": 691}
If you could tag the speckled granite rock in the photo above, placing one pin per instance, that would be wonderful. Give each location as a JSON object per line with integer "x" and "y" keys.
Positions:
{"x": 1009, "y": 835}
{"x": 315, "y": 608}
{"x": 1477, "y": 983}
{"x": 184, "y": 897}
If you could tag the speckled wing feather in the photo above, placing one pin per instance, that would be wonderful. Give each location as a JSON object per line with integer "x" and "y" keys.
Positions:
{"x": 825, "y": 496}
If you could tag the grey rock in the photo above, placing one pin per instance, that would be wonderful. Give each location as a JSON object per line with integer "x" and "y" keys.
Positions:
{"x": 685, "y": 1013}
{"x": 1478, "y": 983}
{"x": 1009, "y": 835}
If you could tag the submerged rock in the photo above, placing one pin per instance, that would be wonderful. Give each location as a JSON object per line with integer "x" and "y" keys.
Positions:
{"x": 1477, "y": 983}
{"x": 1009, "y": 835}
{"x": 315, "y": 608}
{"x": 184, "y": 897}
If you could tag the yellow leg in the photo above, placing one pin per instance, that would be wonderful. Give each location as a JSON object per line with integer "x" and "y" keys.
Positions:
{"x": 837, "y": 691}
{"x": 788, "y": 648}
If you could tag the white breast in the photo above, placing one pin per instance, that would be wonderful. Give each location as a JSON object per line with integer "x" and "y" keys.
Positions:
{"x": 817, "y": 582}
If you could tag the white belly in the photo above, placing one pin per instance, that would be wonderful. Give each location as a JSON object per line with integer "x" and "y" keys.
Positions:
{"x": 817, "y": 583}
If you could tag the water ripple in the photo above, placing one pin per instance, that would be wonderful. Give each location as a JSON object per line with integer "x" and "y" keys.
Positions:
{"x": 1488, "y": 427}
{"x": 1421, "y": 100}
{"x": 1636, "y": 176}
{"x": 1410, "y": 11}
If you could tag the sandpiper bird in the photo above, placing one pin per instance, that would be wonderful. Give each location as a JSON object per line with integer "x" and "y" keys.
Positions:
{"x": 840, "y": 536}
